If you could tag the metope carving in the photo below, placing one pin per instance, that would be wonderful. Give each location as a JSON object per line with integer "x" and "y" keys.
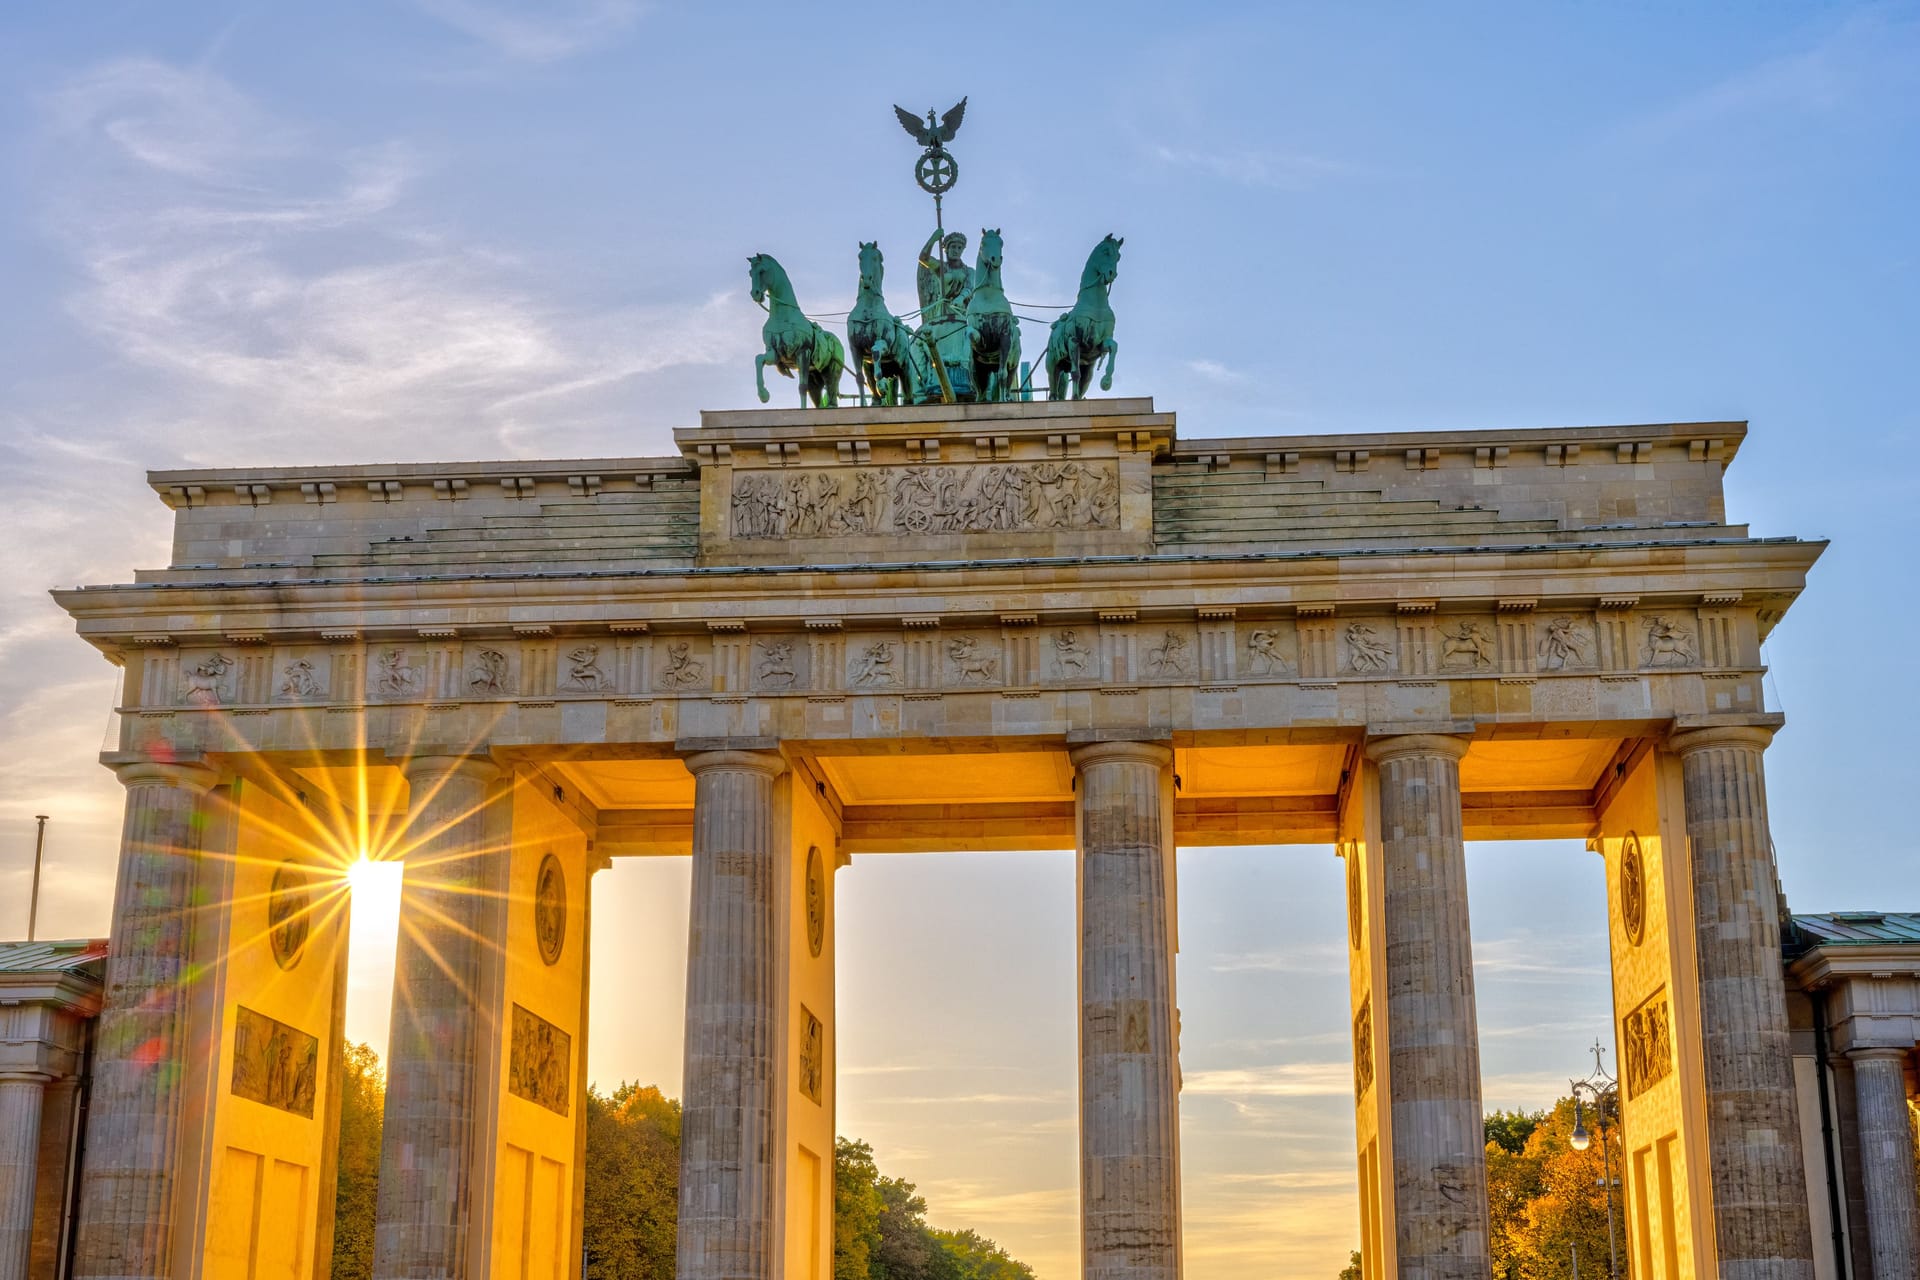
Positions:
{"x": 583, "y": 670}
{"x": 681, "y": 670}
{"x": 1014, "y": 497}
{"x": 539, "y": 1063}
{"x": 813, "y": 1055}
{"x": 1562, "y": 642}
{"x": 816, "y": 901}
{"x": 1170, "y": 656}
{"x": 1070, "y": 654}
{"x": 1669, "y": 644}
{"x": 300, "y": 682}
{"x": 1366, "y": 651}
{"x": 274, "y": 1064}
{"x": 1363, "y": 1049}
{"x": 488, "y": 675}
{"x": 972, "y": 662}
{"x": 1633, "y": 889}
{"x": 550, "y": 909}
{"x": 396, "y": 676}
{"x": 875, "y": 669}
{"x": 1647, "y": 1045}
{"x": 776, "y": 664}
{"x": 289, "y": 913}
{"x": 1263, "y": 653}
{"x": 205, "y": 682}
{"x": 1467, "y": 645}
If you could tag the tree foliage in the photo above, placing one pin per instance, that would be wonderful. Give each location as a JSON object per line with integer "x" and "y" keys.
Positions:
{"x": 1548, "y": 1201}
{"x": 363, "y": 1101}
{"x": 633, "y": 1184}
{"x": 1353, "y": 1270}
{"x": 880, "y": 1230}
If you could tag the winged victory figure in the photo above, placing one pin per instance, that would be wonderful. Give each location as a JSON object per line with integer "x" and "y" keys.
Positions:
{"x": 928, "y": 133}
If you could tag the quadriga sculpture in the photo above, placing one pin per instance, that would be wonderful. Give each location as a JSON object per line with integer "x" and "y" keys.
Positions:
{"x": 795, "y": 344}
{"x": 990, "y": 322}
{"x": 888, "y": 361}
{"x": 1079, "y": 338}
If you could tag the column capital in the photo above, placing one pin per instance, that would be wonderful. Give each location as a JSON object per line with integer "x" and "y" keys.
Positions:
{"x": 1882, "y": 1052}
{"x": 144, "y": 771}
{"x": 1154, "y": 753}
{"x": 16, "y": 1076}
{"x": 435, "y": 766}
{"x": 1690, "y": 734}
{"x": 770, "y": 763}
{"x": 1449, "y": 745}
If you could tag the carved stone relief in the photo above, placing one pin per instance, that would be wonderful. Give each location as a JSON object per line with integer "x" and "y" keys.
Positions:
{"x": 1264, "y": 657}
{"x": 876, "y": 666}
{"x": 1669, "y": 643}
{"x": 1356, "y": 907}
{"x": 273, "y": 1063}
{"x": 813, "y": 1054}
{"x": 539, "y": 1062}
{"x": 204, "y": 682}
{"x": 1647, "y": 1045}
{"x": 1173, "y": 656}
{"x": 1367, "y": 651}
{"x": 972, "y": 661}
{"x": 301, "y": 682}
{"x": 1466, "y": 646}
{"x": 1564, "y": 643}
{"x": 681, "y": 670}
{"x": 489, "y": 673}
{"x": 816, "y": 902}
{"x": 1633, "y": 890}
{"x": 550, "y": 908}
{"x": 774, "y": 665}
{"x": 396, "y": 675}
{"x": 1363, "y": 1048}
{"x": 581, "y": 670}
{"x": 289, "y": 913}
{"x": 1004, "y": 497}
{"x": 1072, "y": 655}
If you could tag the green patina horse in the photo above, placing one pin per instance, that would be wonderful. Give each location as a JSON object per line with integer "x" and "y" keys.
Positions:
{"x": 887, "y": 360}
{"x": 990, "y": 322}
{"x": 1079, "y": 338}
{"x": 795, "y": 344}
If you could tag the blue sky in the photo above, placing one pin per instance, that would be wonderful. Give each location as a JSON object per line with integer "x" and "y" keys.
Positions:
{"x": 247, "y": 233}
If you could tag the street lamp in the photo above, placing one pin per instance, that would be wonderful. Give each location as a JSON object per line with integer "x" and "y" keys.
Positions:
{"x": 1598, "y": 1090}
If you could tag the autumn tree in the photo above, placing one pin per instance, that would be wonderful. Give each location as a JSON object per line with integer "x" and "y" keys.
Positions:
{"x": 363, "y": 1101}
{"x": 1353, "y": 1270}
{"x": 856, "y": 1209}
{"x": 632, "y": 1184}
{"x": 1546, "y": 1201}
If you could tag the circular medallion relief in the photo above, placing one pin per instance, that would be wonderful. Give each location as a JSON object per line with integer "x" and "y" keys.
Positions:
{"x": 1355, "y": 907}
{"x": 550, "y": 908}
{"x": 816, "y": 901}
{"x": 289, "y": 900}
{"x": 1633, "y": 889}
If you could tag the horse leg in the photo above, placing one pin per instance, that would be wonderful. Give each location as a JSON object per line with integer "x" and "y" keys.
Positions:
{"x": 760, "y": 376}
{"x": 1112, "y": 349}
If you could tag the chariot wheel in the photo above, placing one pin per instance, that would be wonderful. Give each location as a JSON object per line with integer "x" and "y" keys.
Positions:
{"x": 916, "y": 521}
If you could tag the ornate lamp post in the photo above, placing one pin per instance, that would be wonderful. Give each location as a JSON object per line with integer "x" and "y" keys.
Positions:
{"x": 1602, "y": 1092}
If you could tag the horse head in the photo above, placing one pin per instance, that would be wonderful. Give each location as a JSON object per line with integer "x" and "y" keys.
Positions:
{"x": 988, "y": 259}
{"x": 872, "y": 266}
{"x": 1103, "y": 264}
{"x": 766, "y": 276}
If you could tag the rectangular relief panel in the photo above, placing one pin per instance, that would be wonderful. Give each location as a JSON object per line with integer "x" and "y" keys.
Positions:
{"x": 539, "y": 1062}
{"x": 274, "y": 1063}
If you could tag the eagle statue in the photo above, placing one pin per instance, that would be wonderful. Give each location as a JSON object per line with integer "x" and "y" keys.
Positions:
{"x": 930, "y": 134}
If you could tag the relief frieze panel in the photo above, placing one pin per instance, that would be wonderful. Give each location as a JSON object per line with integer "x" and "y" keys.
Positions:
{"x": 1013, "y": 497}
{"x": 1646, "y": 1043}
{"x": 539, "y": 1061}
{"x": 274, "y": 1064}
{"x": 1467, "y": 646}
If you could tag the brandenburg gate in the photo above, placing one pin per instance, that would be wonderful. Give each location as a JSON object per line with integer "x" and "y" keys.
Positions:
{"x": 814, "y": 635}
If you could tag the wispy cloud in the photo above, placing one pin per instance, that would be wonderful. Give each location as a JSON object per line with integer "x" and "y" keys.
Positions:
{"x": 1214, "y": 371}
{"x": 1255, "y": 167}
{"x": 538, "y": 32}
{"x": 1282, "y": 1080}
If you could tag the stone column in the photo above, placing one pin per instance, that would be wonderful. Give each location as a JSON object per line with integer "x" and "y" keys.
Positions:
{"x": 133, "y": 1126}
{"x": 449, "y": 897}
{"x": 1431, "y": 1028}
{"x": 21, "y": 1097}
{"x": 1886, "y": 1161}
{"x": 1761, "y": 1222}
{"x": 1129, "y": 1072}
{"x": 729, "y": 1119}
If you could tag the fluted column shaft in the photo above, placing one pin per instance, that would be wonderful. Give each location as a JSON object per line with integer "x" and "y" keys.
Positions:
{"x": 1432, "y": 1029}
{"x": 21, "y": 1099}
{"x": 1129, "y": 1072}
{"x": 729, "y": 1119}
{"x": 133, "y": 1125}
{"x": 1886, "y": 1161}
{"x": 1761, "y": 1222}
{"x": 454, "y": 873}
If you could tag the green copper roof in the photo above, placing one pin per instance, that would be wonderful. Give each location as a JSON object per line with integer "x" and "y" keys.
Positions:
{"x": 87, "y": 955}
{"x": 1858, "y": 928}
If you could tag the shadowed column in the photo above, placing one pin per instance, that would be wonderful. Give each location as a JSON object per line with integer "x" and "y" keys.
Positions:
{"x": 1432, "y": 1033}
{"x": 729, "y": 1120}
{"x": 21, "y": 1096}
{"x": 1129, "y": 1075}
{"x": 1761, "y": 1223}
{"x": 1886, "y": 1161}
{"x": 133, "y": 1126}
{"x": 455, "y": 865}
